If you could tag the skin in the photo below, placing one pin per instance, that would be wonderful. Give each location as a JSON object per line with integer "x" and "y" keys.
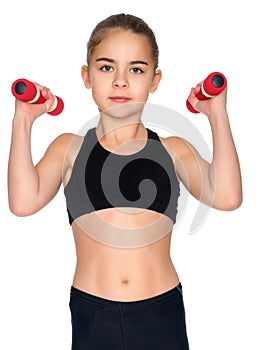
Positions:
{"x": 120, "y": 75}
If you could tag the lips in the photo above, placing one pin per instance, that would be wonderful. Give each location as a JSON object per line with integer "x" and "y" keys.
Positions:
{"x": 119, "y": 99}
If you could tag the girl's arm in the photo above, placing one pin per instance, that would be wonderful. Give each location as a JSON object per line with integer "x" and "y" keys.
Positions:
{"x": 217, "y": 184}
{"x": 31, "y": 187}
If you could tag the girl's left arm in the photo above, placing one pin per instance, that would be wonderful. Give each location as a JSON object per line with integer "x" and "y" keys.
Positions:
{"x": 224, "y": 170}
{"x": 218, "y": 183}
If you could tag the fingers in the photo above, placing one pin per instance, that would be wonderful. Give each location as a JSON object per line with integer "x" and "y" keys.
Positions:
{"x": 50, "y": 99}
{"x": 192, "y": 96}
{"x": 47, "y": 95}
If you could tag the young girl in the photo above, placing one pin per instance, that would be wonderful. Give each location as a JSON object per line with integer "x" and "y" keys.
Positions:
{"x": 122, "y": 185}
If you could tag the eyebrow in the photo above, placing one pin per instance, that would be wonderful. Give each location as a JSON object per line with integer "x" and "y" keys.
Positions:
{"x": 110, "y": 60}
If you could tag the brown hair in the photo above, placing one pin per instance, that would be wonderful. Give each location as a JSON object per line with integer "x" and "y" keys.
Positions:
{"x": 126, "y": 22}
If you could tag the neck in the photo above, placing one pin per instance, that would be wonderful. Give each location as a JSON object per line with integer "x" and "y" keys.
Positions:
{"x": 120, "y": 124}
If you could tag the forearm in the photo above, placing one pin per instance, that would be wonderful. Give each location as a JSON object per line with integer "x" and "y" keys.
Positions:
{"x": 224, "y": 172}
{"x": 23, "y": 180}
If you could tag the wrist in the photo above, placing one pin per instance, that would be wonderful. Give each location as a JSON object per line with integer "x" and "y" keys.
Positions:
{"x": 218, "y": 116}
{"x": 22, "y": 121}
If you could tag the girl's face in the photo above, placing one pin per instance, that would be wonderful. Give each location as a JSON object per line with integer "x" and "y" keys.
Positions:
{"x": 121, "y": 70}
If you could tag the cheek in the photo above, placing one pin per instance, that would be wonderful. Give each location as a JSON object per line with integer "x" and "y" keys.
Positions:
{"x": 99, "y": 92}
{"x": 97, "y": 96}
{"x": 142, "y": 88}
{"x": 99, "y": 86}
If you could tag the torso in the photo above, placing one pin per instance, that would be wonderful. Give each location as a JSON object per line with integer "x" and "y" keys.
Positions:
{"x": 123, "y": 274}
{"x": 117, "y": 273}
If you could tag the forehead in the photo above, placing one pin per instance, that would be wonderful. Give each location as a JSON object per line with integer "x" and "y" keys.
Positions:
{"x": 120, "y": 42}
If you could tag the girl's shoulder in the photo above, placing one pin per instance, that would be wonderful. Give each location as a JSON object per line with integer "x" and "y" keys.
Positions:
{"x": 177, "y": 146}
{"x": 61, "y": 148}
{"x": 63, "y": 141}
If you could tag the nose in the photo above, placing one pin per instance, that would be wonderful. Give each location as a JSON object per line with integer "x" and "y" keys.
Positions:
{"x": 120, "y": 80}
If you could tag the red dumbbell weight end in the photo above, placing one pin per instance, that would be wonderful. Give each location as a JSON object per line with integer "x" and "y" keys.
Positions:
{"x": 27, "y": 91}
{"x": 212, "y": 86}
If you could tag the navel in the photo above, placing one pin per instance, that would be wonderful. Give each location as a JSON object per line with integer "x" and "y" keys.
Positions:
{"x": 124, "y": 281}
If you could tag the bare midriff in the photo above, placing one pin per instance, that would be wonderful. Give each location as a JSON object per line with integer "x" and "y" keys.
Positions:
{"x": 123, "y": 274}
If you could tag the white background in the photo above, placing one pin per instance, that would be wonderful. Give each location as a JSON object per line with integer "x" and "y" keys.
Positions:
{"x": 230, "y": 267}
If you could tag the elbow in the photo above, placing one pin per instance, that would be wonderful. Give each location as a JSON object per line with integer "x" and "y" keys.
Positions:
{"x": 236, "y": 199}
{"x": 20, "y": 210}
{"x": 233, "y": 204}
{"x": 230, "y": 203}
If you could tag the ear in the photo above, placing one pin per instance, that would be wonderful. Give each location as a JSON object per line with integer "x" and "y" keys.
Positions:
{"x": 85, "y": 76}
{"x": 156, "y": 80}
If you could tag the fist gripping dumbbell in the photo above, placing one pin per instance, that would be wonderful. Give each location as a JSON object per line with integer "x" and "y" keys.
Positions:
{"x": 27, "y": 91}
{"x": 212, "y": 86}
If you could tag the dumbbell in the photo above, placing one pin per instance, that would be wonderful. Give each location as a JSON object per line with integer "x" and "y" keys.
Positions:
{"x": 27, "y": 91}
{"x": 212, "y": 86}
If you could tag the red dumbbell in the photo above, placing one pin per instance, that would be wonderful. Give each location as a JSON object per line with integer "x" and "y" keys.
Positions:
{"x": 212, "y": 86}
{"x": 27, "y": 91}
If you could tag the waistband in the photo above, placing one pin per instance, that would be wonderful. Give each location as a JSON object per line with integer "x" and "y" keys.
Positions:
{"x": 107, "y": 303}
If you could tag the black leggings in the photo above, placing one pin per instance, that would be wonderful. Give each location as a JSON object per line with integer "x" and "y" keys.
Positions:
{"x": 157, "y": 323}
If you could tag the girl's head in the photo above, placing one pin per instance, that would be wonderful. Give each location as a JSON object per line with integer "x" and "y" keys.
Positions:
{"x": 122, "y": 62}
{"x": 125, "y": 22}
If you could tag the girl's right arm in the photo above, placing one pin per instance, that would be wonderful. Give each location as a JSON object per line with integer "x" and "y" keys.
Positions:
{"x": 31, "y": 187}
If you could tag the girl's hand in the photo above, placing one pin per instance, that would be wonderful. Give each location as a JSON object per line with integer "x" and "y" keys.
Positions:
{"x": 31, "y": 111}
{"x": 215, "y": 104}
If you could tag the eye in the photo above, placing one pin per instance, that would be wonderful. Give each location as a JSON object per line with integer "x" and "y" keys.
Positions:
{"x": 106, "y": 68}
{"x": 136, "y": 70}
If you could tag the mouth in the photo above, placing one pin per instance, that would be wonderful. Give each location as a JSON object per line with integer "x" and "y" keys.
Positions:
{"x": 119, "y": 99}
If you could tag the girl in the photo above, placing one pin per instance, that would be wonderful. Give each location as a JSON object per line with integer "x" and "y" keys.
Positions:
{"x": 121, "y": 183}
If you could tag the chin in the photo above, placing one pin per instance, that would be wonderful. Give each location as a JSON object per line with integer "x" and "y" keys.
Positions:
{"x": 124, "y": 110}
